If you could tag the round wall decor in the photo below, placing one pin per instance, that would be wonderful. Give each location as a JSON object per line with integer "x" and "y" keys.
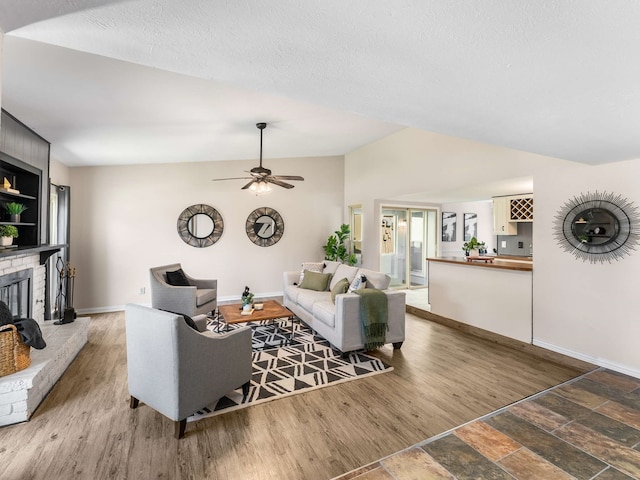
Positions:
{"x": 264, "y": 226}
{"x": 598, "y": 227}
{"x": 200, "y": 225}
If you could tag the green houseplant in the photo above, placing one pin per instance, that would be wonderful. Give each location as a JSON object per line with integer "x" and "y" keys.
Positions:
{"x": 7, "y": 234}
{"x": 15, "y": 210}
{"x": 336, "y": 249}
{"x": 473, "y": 244}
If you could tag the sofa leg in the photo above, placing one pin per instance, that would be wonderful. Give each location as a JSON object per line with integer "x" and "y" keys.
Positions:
{"x": 397, "y": 345}
{"x": 133, "y": 402}
{"x": 180, "y": 426}
{"x": 245, "y": 389}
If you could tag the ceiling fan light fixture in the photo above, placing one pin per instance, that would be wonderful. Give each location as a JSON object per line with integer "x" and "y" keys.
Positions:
{"x": 260, "y": 187}
{"x": 261, "y": 178}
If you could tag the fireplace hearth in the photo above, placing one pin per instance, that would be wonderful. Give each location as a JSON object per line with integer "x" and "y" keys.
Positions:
{"x": 22, "y": 287}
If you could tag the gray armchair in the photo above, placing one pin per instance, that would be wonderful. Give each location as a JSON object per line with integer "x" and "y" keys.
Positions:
{"x": 200, "y": 297}
{"x": 176, "y": 370}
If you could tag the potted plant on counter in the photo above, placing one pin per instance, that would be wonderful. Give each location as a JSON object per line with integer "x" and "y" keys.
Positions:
{"x": 7, "y": 234}
{"x": 15, "y": 210}
{"x": 473, "y": 247}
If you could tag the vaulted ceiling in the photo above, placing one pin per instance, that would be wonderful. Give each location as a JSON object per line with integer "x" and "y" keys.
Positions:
{"x": 113, "y": 82}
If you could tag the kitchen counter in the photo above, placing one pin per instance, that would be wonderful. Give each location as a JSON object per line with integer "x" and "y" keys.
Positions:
{"x": 523, "y": 264}
{"x": 496, "y": 297}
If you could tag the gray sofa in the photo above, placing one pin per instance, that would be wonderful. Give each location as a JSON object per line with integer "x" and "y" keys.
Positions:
{"x": 339, "y": 322}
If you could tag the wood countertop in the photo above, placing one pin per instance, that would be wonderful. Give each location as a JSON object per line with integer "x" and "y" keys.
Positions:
{"x": 521, "y": 263}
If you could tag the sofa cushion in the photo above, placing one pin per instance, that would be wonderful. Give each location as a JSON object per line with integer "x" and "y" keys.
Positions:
{"x": 177, "y": 278}
{"x": 315, "y": 281}
{"x": 307, "y": 298}
{"x": 311, "y": 267}
{"x": 343, "y": 271}
{"x": 205, "y": 295}
{"x": 291, "y": 292}
{"x": 341, "y": 287}
{"x": 330, "y": 266}
{"x": 377, "y": 280}
{"x": 325, "y": 312}
{"x": 359, "y": 282}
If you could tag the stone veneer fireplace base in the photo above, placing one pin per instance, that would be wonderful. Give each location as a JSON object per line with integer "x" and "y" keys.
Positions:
{"x": 22, "y": 392}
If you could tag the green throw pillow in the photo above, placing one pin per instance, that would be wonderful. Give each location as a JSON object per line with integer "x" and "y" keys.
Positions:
{"x": 315, "y": 281}
{"x": 341, "y": 287}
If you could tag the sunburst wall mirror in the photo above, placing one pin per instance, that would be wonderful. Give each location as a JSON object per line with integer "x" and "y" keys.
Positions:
{"x": 598, "y": 227}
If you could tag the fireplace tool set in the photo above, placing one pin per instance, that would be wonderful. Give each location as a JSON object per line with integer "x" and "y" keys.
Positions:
{"x": 64, "y": 306}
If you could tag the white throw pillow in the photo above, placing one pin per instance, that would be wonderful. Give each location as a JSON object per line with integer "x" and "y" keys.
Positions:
{"x": 358, "y": 283}
{"x": 312, "y": 267}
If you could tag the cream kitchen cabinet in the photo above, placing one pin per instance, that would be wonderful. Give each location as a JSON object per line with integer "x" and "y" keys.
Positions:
{"x": 502, "y": 223}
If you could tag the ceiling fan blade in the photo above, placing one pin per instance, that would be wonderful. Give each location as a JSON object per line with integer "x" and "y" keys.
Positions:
{"x": 248, "y": 185}
{"x": 288, "y": 177}
{"x": 277, "y": 182}
{"x": 232, "y": 178}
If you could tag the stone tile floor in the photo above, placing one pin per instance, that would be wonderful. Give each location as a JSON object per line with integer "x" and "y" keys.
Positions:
{"x": 587, "y": 428}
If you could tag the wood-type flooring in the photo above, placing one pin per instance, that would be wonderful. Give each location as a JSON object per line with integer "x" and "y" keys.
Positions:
{"x": 588, "y": 428}
{"x": 442, "y": 378}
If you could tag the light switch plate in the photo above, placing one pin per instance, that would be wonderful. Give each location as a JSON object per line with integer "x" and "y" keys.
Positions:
{"x": 503, "y": 244}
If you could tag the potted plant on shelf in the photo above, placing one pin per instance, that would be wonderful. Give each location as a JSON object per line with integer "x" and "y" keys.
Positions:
{"x": 473, "y": 247}
{"x": 7, "y": 234}
{"x": 336, "y": 249}
{"x": 15, "y": 210}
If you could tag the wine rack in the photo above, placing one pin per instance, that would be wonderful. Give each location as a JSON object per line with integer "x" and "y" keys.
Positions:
{"x": 521, "y": 209}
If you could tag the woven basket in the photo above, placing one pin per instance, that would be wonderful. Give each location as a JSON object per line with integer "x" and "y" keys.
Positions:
{"x": 14, "y": 354}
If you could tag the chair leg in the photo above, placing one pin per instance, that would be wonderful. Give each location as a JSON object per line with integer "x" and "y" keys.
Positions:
{"x": 133, "y": 402}
{"x": 181, "y": 426}
{"x": 245, "y": 389}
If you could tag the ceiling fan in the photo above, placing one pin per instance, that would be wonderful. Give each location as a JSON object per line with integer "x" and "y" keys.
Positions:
{"x": 261, "y": 177}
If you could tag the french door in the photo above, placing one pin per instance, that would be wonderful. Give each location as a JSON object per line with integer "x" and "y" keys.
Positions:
{"x": 407, "y": 238}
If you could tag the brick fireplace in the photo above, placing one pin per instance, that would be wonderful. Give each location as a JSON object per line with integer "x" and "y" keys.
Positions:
{"x": 22, "y": 287}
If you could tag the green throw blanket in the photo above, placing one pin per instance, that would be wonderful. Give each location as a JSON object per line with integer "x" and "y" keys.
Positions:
{"x": 373, "y": 317}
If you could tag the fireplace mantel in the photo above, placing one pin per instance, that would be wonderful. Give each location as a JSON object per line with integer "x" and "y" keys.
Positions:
{"x": 45, "y": 251}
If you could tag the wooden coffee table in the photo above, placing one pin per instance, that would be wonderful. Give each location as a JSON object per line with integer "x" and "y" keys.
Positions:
{"x": 271, "y": 310}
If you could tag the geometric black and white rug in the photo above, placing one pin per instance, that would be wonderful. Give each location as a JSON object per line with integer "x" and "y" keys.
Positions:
{"x": 306, "y": 363}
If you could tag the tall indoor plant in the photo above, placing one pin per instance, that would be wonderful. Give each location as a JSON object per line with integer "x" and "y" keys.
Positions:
{"x": 336, "y": 248}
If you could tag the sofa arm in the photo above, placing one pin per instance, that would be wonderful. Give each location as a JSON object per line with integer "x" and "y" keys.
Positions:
{"x": 347, "y": 319}
{"x": 210, "y": 284}
{"x": 289, "y": 278}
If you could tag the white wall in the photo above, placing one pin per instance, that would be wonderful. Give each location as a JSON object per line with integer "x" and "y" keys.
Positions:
{"x": 123, "y": 221}
{"x": 59, "y": 173}
{"x": 484, "y": 209}
{"x": 586, "y": 310}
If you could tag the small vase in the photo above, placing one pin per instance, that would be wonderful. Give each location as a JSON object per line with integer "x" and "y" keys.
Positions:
{"x": 15, "y": 218}
{"x": 6, "y": 241}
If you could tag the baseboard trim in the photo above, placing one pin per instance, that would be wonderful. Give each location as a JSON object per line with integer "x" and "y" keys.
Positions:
{"x": 617, "y": 367}
{"x": 566, "y": 360}
{"x": 221, "y": 300}
{"x": 114, "y": 308}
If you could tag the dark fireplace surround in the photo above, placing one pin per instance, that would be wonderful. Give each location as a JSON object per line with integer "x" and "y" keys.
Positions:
{"x": 16, "y": 290}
